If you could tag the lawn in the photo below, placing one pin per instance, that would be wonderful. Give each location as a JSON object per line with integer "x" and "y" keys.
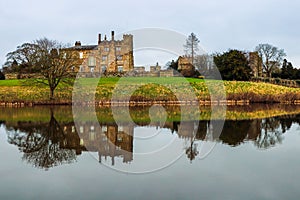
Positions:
{"x": 151, "y": 88}
{"x": 14, "y": 82}
{"x": 114, "y": 80}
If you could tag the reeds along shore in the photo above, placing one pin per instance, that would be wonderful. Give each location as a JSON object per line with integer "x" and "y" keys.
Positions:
{"x": 141, "y": 113}
{"x": 108, "y": 103}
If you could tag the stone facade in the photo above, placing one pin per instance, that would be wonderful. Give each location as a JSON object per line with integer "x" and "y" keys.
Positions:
{"x": 107, "y": 56}
{"x": 255, "y": 63}
{"x": 185, "y": 66}
{"x": 108, "y": 140}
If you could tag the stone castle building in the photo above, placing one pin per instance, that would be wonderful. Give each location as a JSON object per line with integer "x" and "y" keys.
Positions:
{"x": 106, "y": 56}
{"x": 109, "y": 140}
{"x": 255, "y": 62}
{"x": 185, "y": 66}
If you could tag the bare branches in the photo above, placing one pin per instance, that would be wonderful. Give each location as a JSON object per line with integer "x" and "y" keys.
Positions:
{"x": 50, "y": 59}
{"x": 271, "y": 56}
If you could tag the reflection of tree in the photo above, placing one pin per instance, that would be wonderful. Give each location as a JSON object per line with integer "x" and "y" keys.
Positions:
{"x": 235, "y": 132}
{"x": 192, "y": 151}
{"x": 41, "y": 145}
{"x": 286, "y": 123}
{"x": 270, "y": 135}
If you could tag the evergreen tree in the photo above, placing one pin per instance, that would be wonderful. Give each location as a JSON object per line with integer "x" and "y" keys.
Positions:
{"x": 233, "y": 65}
{"x": 192, "y": 46}
{"x": 2, "y": 76}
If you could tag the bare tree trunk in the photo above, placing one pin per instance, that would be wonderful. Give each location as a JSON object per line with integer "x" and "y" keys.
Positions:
{"x": 193, "y": 50}
{"x": 51, "y": 94}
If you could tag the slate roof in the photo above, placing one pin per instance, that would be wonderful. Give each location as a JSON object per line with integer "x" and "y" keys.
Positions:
{"x": 84, "y": 47}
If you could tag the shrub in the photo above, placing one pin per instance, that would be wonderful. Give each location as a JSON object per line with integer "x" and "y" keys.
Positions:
{"x": 2, "y": 76}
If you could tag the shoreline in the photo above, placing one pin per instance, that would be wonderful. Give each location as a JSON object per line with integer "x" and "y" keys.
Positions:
{"x": 107, "y": 103}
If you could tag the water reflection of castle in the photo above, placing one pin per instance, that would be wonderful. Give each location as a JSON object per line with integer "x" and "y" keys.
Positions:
{"x": 108, "y": 140}
{"x": 54, "y": 143}
{"x": 111, "y": 140}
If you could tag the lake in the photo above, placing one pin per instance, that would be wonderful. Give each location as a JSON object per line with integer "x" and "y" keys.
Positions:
{"x": 248, "y": 152}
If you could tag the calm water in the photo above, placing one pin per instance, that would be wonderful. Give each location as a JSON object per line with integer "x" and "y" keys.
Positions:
{"x": 47, "y": 155}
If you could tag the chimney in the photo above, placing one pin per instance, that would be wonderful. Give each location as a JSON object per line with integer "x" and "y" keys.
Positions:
{"x": 99, "y": 38}
{"x": 77, "y": 43}
{"x": 112, "y": 35}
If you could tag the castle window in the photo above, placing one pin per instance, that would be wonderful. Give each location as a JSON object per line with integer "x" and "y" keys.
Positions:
{"x": 104, "y": 58}
{"x": 120, "y": 68}
{"x": 119, "y": 138}
{"x": 103, "y": 68}
{"x": 106, "y": 49}
{"x": 81, "y": 142}
{"x": 81, "y": 68}
{"x": 92, "y": 61}
{"x": 81, "y": 55}
{"x": 118, "y": 48}
{"x": 92, "y": 69}
{"x": 120, "y": 128}
{"x": 104, "y": 128}
{"x": 119, "y": 57}
{"x": 92, "y": 136}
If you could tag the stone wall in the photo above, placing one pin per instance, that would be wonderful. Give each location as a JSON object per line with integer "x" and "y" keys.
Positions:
{"x": 277, "y": 81}
{"x": 10, "y": 76}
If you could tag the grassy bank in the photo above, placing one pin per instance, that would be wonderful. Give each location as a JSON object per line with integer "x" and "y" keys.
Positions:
{"x": 149, "y": 89}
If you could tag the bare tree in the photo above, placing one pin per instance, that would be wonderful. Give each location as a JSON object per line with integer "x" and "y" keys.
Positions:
{"x": 192, "y": 150}
{"x": 41, "y": 143}
{"x": 192, "y": 46}
{"x": 22, "y": 60}
{"x": 203, "y": 63}
{"x": 56, "y": 63}
{"x": 271, "y": 57}
{"x": 270, "y": 135}
{"x": 50, "y": 59}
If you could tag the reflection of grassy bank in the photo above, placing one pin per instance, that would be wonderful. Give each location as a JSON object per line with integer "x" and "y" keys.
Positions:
{"x": 151, "y": 88}
{"x": 141, "y": 114}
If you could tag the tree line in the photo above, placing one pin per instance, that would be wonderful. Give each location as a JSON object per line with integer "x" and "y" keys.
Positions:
{"x": 56, "y": 63}
{"x": 268, "y": 61}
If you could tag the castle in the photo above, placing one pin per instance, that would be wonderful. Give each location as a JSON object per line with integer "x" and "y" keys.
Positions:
{"x": 107, "y": 56}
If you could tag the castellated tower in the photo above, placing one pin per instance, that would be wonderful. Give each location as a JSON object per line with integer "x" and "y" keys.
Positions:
{"x": 107, "y": 56}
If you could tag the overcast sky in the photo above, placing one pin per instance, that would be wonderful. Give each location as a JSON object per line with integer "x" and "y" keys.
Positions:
{"x": 219, "y": 24}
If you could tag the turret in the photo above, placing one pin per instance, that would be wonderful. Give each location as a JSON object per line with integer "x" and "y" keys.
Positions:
{"x": 77, "y": 43}
{"x": 99, "y": 38}
{"x": 112, "y": 36}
